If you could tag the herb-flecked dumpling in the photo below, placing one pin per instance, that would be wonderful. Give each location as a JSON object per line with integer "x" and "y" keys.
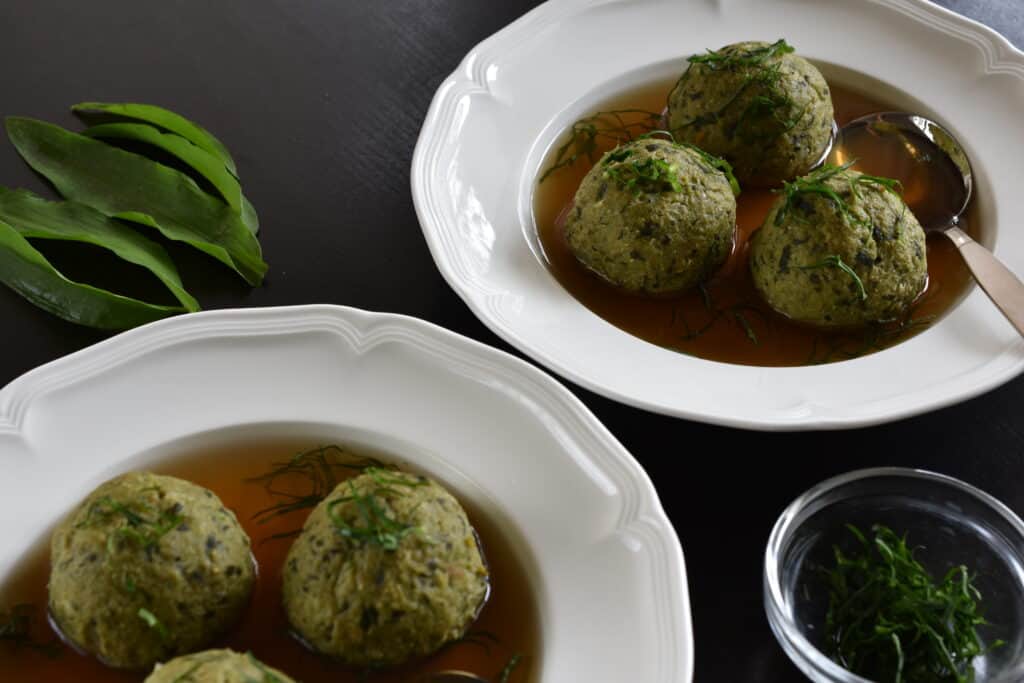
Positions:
{"x": 387, "y": 568}
{"x": 840, "y": 249}
{"x": 653, "y": 217}
{"x": 148, "y": 567}
{"x": 765, "y": 110}
{"x": 216, "y": 666}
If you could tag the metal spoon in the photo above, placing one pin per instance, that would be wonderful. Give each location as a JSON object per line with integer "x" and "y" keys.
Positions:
{"x": 937, "y": 184}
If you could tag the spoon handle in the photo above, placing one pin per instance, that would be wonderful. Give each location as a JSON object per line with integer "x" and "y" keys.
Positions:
{"x": 1002, "y": 286}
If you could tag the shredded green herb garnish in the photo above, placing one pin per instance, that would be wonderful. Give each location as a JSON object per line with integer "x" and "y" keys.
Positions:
{"x": 151, "y": 621}
{"x": 651, "y": 175}
{"x": 506, "y": 673}
{"x": 747, "y": 329}
{"x": 888, "y": 620}
{"x": 834, "y": 261}
{"x": 718, "y": 163}
{"x": 16, "y": 629}
{"x": 735, "y": 312}
{"x": 716, "y": 59}
{"x": 711, "y": 160}
{"x": 615, "y": 126}
{"x": 146, "y": 524}
{"x": 306, "y": 479}
{"x": 691, "y": 333}
{"x": 377, "y": 526}
{"x": 814, "y": 183}
{"x": 769, "y": 113}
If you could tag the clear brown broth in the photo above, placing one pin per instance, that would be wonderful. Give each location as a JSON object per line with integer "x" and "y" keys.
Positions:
{"x": 510, "y": 614}
{"x": 739, "y": 327}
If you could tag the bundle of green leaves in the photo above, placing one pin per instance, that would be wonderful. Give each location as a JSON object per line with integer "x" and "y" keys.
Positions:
{"x": 110, "y": 191}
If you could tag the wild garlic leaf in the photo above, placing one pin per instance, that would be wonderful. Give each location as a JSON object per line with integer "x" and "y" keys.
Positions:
{"x": 166, "y": 119}
{"x": 198, "y": 159}
{"x": 124, "y": 185}
{"x": 34, "y": 217}
{"x": 27, "y": 272}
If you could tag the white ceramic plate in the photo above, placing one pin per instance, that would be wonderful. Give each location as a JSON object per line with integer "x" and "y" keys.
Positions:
{"x": 493, "y": 121}
{"x": 604, "y": 560}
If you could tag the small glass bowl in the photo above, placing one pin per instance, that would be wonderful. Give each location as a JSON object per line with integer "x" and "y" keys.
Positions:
{"x": 948, "y": 522}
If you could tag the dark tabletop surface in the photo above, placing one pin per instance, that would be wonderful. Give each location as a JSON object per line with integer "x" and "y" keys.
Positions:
{"x": 321, "y": 103}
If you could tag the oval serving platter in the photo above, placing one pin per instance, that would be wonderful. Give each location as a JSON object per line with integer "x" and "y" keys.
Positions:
{"x": 493, "y": 122}
{"x": 508, "y": 438}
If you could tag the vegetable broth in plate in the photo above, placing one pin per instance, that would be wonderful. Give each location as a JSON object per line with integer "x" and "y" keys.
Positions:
{"x": 726, "y": 320}
{"x": 507, "y": 626}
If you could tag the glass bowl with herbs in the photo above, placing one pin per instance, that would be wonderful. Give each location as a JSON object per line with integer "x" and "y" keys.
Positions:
{"x": 893, "y": 575}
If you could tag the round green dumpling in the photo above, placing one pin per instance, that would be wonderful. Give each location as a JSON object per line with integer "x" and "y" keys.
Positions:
{"x": 216, "y": 666}
{"x": 830, "y": 263}
{"x": 653, "y": 217}
{"x": 765, "y": 110}
{"x": 387, "y": 568}
{"x": 148, "y": 567}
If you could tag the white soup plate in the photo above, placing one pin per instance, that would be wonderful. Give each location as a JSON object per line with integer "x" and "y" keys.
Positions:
{"x": 494, "y": 121}
{"x": 602, "y": 557}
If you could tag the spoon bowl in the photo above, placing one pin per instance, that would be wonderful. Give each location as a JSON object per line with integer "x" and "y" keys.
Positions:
{"x": 927, "y": 160}
{"x": 937, "y": 181}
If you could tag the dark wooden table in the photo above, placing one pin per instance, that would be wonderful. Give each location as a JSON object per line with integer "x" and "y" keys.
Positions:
{"x": 321, "y": 102}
